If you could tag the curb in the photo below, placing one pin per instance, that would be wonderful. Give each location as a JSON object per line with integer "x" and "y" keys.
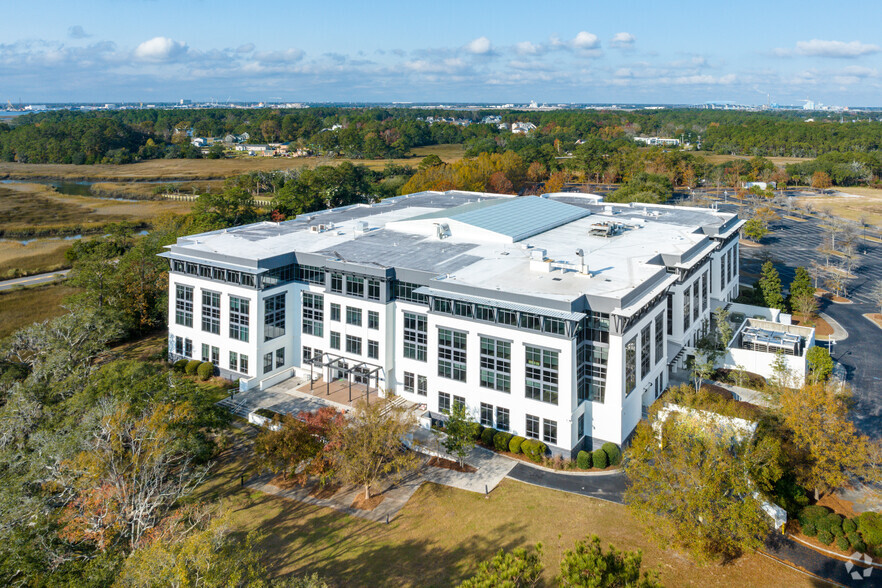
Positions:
{"x": 562, "y": 472}
{"x": 836, "y": 327}
{"x": 796, "y": 568}
{"x": 837, "y": 556}
{"x": 866, "y": 316}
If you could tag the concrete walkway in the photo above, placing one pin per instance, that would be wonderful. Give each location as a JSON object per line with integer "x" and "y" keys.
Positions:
{"x": 839, "y": 333}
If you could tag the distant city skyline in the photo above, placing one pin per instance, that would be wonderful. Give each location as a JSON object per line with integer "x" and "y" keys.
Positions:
{"x": 459, "y": 52}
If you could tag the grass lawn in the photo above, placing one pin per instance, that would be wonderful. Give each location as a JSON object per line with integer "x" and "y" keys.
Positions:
{"x": 202, "y": 169}
{"x": 19, "y": 308}
{"x": 852, "y": 203}
{"x": 442, "y": 534}
{"x": 715, "y": 159}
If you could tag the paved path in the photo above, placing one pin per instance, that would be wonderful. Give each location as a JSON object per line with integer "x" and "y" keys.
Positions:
{"x": 610, "y": 487}
{"x": 34, "y": 280}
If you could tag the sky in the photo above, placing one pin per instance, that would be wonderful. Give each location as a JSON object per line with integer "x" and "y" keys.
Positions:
{"x": 454, "y": 51}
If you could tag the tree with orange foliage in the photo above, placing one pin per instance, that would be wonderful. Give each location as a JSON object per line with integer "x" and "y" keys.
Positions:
{"x": 299, "y": 448}
{"x": 556, "y": 182}
{"x": 500, "y": 184}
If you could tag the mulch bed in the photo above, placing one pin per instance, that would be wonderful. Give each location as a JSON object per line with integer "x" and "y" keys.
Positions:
{"x": 284, "y": 483}
{"x": 832, "y": 297}
{"x": 324, "y": 492}
{"x": 447, "y": 464}
{"x": 822, "y": 327}
{"x": 875, "y": 317}
{"x": 370, "y": 504}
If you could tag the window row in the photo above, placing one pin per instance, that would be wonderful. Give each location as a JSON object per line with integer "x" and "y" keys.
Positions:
{"x": 500, "y": 316}
{"x": 278, "y": 355}
{"x": 416, "y": 384}
{"x": 238, "y": 362}
{"x": 353, "y": 345}
{"x": 213, "y": 273}
{"x": 355, "y": 286}
{"x": 239, "y": 313}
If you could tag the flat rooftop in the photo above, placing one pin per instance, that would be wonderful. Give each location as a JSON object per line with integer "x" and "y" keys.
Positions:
{"x": 536, "y": 246}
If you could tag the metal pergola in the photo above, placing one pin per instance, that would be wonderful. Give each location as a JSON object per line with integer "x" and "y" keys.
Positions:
{"x": 327, "y": 360}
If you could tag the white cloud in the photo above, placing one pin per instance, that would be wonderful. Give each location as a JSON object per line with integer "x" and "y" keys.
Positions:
{"x": 77, "y": 32}
{"x": 821, "y": 48}
{"x": 160, "y": 49}
{"x": 622, "y": 40}
{"x": 527, "y": 48}
{"x": 286, "y": 56}
{"x": 246, "y": 48}
{"x": 585, "y": 41}
{"x": 860, "y": 71}
{"x": 479, "y": 46}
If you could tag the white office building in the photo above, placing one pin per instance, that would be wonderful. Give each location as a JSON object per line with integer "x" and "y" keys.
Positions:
{"x": 556, "y": 317}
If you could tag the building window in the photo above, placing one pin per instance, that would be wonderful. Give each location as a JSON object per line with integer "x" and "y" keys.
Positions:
{"x": 239, "y": 318}
{"x": 462, "y": 309}
{"x": 459, "y": 401}
{"x": 335, "y": 340}
{"x": 486, "y": 415}
{"x": 353, "y": 316}
{"x": 405, "y": 291}
{"x": 591, "y": 360}
{"x": 541, "y": 380}
{"x": 687, "y": 309}
{"x": 215, "y": 356}
{"x": 268, "y": 363}
{"x": 337, "y": 283}
{"x": 353, "y": 345}
{"x": 553, "y": 326}
{"x": 670, "y": 314}
{"x": 444, "y": 402}
{"x": 306, "y": 354}
{"x": 506, "y": 317}
{"x": 704, "y": 291}
{"x": 696, "y": 297}
{"x": 495, "y": 364}
{"x": 355, "y": 286}
{"x": 274, "y": 317}
{"x": 373, "y": 289}
{"x": 310, "y": 274}
{"x": 184, "y": 305}
{"x": 734, "y": 260}
{"x": 205, "y": 271}
{"x": 280, "y": 357}
{"x": 531, "y": 321}
{"x": 594, "y": 328}
{"x": 549, "y": 431}
{"x": 532, "y": 427}
{"x": 211, "y": 312}
{"x": 373, "y": 349}
{"x": 422, "y": 385}
{"x": 442, "y": 305}
{"x": 502, "y": 419}
{"x": 335, "y": 312}
{"x": 452, "y": 354}
{"x": 659, "y": 338}
{"x": 248, "y": 280}
{"x": 409, "y": 382}
{"x": 416, "y": 336}
{"x": 243, "y": 364}
{"x": 205, "y": 352}
{"x": 630, "y": 365}
{"x": 580, "y": 426}
{"x": 234, "y": 361}
{"x": 179, "y": 345}
{"x": 373, "y": 319}
{"x": 313, "y": 314}
{"x": 485, "y": 313}
{"x": 723, "y": 271}
{"x": 645, "y": 357}
{"x": 217, "y": 274}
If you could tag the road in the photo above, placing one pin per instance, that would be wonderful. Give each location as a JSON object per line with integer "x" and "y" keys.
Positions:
{"x": 33, "y": 280}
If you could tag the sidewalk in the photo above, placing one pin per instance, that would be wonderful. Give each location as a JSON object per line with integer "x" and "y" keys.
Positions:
{"x": 839, "y": 333}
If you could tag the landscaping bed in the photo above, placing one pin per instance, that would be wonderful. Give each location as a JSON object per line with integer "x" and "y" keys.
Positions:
{"x": 875, "y": 318}
{"x": 447, "y": 464}
{"x": 832, "y": 525}
{"x": 834, "y": 298}
{"x": 535, "y": 451}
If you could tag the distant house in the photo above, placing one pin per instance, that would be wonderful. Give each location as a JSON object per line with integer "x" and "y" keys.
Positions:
{"x": 760, "y": 185}
{"x": 522, "y": 127}
{"x": 264, "y": 150}
{"x": 658, "y": 141}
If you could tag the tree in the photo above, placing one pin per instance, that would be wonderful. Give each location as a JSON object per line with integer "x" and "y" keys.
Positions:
{"x": 300, "y": 447}
{"x": 821, "y": 180}
{"x": 208, "y": 556}
{"x": 770, "y": 286}
{"x": 232, "y": 207}
{"x": 368, "y": 445}
{"x": 588, "y": 566}
{"x": 698, "y": 489}
{"x": 781, "y": 373}
{"x": 702, "y": 367}
{"x": 430, "y": 160}
{"x": 817, "y": 416}
{"x": 755, "y": 229}
{"x": 556, "y": 182}
{"x": 460, "y": 430}
{"x": 802, "y": 283}
{"x": 724, "y": 327}
{"x": 819, "y": 362}
{"x": 518, "y": 568}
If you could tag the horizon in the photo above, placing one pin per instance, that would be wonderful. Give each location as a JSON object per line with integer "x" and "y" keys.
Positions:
{"x": 161, "y": 51}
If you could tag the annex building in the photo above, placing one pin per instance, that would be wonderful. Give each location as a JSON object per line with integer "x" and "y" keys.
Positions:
{"x": 557, "y": 317}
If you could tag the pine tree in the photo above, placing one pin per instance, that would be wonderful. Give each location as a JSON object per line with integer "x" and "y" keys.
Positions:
{"x": 801, "y": 284}
{"x": 770, "y": 285}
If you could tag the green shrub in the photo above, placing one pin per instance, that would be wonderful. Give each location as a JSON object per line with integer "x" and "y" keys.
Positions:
{"x": 583, "y": 460}
{"x": 191, "y": 367}
{"x": 515, "y": 444}
{"x": 501, "y": 440}
{"x": 842, "y": 543}
{"x": 599, "y": 458}
{"x": 853, "y": 537}
{"x": 205, "y": 370}
{"x": 790, "y": 496}
{"x": 859, "y": 546}
{"x": 870, "y": 528}
{"x": 534, "y": 449}
{"x": 825, "y": 537}
{"x": 849, "y": 526}
{"x": 832, "y": 522}
{"x": 479, "y": 430}
{"x": 809, "y": 529}
{"x": 613, "y": 453}
{"x": 180, "y": 365}
{"x": 487, "y": 436}
{"x": 813, "y": 514}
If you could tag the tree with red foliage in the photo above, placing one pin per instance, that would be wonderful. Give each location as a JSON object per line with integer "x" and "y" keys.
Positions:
{"x": 300, "y": 447}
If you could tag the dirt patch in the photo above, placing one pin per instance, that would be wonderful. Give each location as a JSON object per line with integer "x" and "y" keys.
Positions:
{"x": 447, "y": 464}
{"x": 747, "y": 243}
{"x": 361, "y": 503}
{"x": 875, "y": 317}
{"x": 284, "y": 483}
{"x": 838, "y": 505}
{"x": 834, "y": 298}
{"x": 822, "y": 327}
{"x": 325, "y": 492}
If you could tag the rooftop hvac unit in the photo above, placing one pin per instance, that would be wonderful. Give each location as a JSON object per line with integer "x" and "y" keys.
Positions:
{"x": 537, "y": 254}
{"x": 361, "y": 227}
